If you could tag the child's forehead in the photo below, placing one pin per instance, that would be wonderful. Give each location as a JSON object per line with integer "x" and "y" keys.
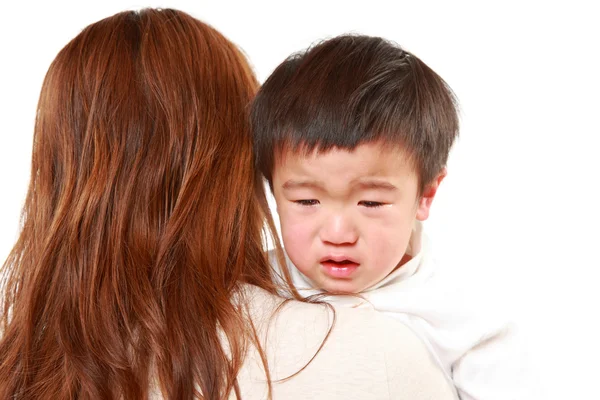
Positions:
{"x": 342, "y": 168}
{"x": 345, "y": 171}
{"x": 375, "y": 152}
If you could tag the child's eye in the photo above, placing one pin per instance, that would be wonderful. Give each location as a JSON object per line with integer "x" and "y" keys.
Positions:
{"x": 370, "y": 204}
{"x": 307, "y": 203}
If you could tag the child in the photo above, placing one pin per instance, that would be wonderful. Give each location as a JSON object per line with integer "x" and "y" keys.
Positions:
{"x": 353, "y": 136}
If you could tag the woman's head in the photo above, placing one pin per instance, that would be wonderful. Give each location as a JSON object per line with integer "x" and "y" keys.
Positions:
{"x": 142, "y": 215}
{"x": 141, "y": 130}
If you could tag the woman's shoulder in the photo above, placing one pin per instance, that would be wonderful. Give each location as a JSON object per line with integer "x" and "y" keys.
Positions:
{"x": 374, "y": 330}
{"x": 347, "y": 323}
{"x": 411, "y": 370}
{"x": 362, "y": 353}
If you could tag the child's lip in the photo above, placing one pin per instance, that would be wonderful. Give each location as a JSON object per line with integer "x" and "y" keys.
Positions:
{"x": 338, "y": 258}
{"x": 338, "y": 270}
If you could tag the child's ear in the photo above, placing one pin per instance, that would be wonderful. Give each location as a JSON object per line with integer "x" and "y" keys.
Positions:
{"x": 428, "y": 194}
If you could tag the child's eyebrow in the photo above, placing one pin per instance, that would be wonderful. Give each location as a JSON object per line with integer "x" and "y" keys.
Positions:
{"x": 375, "y": 184}
{"x": 308, "y": 184}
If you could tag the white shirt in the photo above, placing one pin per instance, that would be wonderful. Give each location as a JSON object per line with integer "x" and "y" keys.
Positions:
{"x": 479, "y": 349}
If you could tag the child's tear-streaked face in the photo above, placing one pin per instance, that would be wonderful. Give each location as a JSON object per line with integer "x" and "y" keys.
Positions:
{"x": 347, "y": 216}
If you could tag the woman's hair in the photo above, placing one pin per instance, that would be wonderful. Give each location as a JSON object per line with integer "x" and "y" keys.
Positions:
{"x": 144, "y": 214}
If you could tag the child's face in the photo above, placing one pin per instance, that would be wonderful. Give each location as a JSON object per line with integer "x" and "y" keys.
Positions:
{"x": 347, "y": 216}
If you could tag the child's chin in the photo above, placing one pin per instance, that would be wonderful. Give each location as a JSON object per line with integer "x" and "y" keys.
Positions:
{"x": 345, "y": 288}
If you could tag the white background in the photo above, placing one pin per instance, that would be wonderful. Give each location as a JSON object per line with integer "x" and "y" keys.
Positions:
{"x": 518, "y": 214}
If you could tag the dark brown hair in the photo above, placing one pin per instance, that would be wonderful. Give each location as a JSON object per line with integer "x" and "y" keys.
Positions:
{"x": 143, "y": 216}
{"x": 354, "y": 89}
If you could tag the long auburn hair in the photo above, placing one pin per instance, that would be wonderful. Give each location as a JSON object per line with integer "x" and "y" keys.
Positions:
{"x": 144, "y": 214}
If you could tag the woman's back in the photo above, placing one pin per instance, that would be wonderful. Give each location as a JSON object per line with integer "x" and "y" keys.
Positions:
{"x": 366, "y": 356}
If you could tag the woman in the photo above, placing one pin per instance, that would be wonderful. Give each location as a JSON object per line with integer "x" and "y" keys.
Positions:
{"x": 140, "y": 269}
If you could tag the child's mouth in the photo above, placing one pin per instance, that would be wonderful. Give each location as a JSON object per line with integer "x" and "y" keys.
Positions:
{"x": 339, "y": 269}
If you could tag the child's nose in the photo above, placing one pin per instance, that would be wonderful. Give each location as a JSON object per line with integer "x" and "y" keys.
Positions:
{"x": 338, "y": 230}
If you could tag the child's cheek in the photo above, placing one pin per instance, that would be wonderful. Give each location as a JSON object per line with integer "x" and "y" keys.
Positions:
{"x": 298, "y": 237}
{"x": 388, "y": 248}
